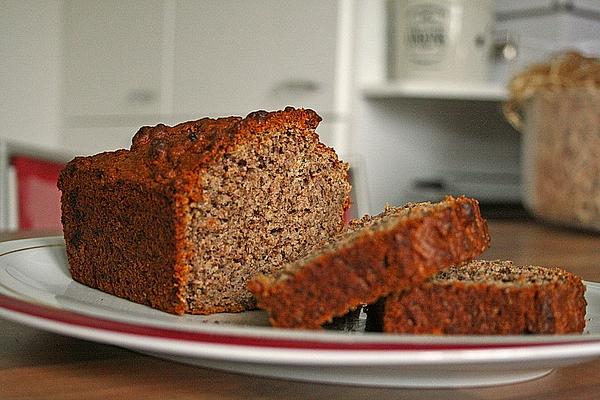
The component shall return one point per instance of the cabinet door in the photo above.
(112, 57)
(232, 57)
(85, 141)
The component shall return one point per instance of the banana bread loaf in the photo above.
(488, 298)
(185, 217)
(374, 256)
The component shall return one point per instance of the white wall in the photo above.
(406, 139)
(30, 50)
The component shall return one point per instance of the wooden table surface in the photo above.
(38, 365)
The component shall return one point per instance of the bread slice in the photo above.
(184, 218)
(398, 248)
(488, 298)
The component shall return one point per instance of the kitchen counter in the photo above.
(39, 365)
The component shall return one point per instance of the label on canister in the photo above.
(426, 39)
(440, 39)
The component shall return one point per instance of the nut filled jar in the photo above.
(556, 106)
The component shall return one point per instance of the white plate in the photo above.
(36, 289)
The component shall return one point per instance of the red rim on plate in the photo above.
(84, 321)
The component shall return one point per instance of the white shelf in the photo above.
(436, 90)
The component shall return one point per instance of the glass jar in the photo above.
(561, 156)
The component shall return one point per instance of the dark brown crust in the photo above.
(375, 264)
(125, 213)
(479, 308)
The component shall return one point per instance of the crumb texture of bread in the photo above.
(488, 298)
(264, 205)
(374, 256)
(189, 213)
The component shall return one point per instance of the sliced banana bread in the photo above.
(398, 248)
(183, 219)
(488, 298)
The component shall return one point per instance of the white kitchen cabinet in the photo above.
(85, 141)
(112, 62)
(141, 62)
(235, 56)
